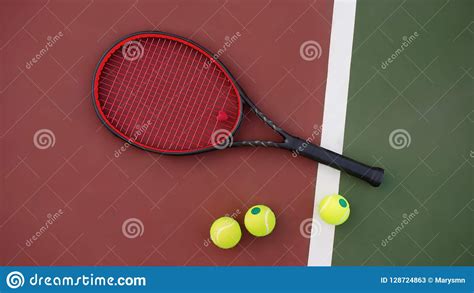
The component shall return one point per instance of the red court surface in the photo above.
(172, 199)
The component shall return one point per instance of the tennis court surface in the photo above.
(74, 194)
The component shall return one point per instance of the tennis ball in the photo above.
(225, 232)
(260, 220)
(334, 209)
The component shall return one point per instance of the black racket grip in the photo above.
(372, 175)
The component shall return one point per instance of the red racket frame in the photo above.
(154, 34)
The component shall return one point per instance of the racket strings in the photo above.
(186, 112)
(108, 83)
(125, 83)
(129, 92)
(138, 78)
(175, 88)
(169, 108)
(176, 57)
(116, 60)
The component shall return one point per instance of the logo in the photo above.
(310, 50)
(44, 139)
(399, 139)
(15, 280)
(221, 139)
(132, 228)
(132, 50)
(309, 228)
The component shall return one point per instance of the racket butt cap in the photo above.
(375, 177)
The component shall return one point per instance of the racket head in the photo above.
(166, 94)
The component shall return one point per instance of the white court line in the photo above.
(334, 120)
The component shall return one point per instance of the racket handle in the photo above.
(372, 175)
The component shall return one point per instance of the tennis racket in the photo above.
(167, 94)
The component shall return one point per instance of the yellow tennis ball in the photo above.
(334, 209)
(260, 220)
(225, 232)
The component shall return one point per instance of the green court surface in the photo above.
(413, 116)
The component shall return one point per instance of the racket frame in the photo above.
(116, 132)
